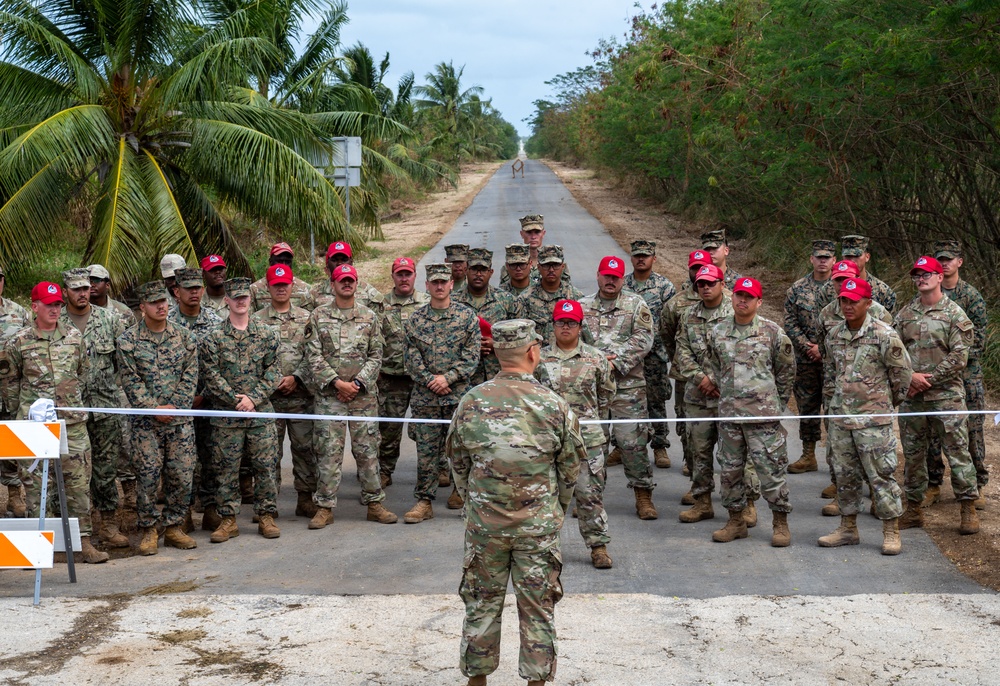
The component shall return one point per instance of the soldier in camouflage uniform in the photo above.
(344, 353)
(13, 318)
(517, 267)
(292, 395)
(337, 254)
(868, 372)
(582, 375)
(532, 234)
(260, 296)
(441, 355)
(100, 329)
(213, 269)
(49, 360)
(456, 256)
(752, 369)
(802, 327)
(169, 264)
(716, 244)
(949, 255)
(239, 367)
(622, 327)
(656, 290)
(542, 296)
(159, 370)
(516, 449)
(394, 384)
(856, 248)
(938, 336)
(100, 282)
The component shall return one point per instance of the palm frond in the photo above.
(27, 215)
(321, 45)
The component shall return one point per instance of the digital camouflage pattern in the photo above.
(830, 316)
(866, 454)
(366, 295)
(760, 447)
(670, 318)
(730, 278)
(13, 318)
(535, 275)
(494, 306)
(802, 326)
(218, 305)
(395, 314)
(206, 321)
(657, 291)
(301, 295)
(537, 305)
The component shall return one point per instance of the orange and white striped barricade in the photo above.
(20, 547)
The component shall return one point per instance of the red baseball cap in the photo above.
(47, 292)
(279, 274)
(211, 262)
(855, 289)
(749, 285)
(927, 264)
(485, 328)
(403, 264)
(279, 248)
(568, 309)
(345, 271)
(699, 258)
(338, 248)
(612, 266)
(845, 269)
(709, 273)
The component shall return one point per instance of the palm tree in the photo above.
(142, 109)
(450, 107)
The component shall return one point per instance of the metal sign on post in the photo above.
(344, 170)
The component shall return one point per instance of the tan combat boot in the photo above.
(266, 526)
(981, 500)
(891, 544)
(322, 518)
(702, 509)
(130, 498)
(90, 554)
(147, 546)
(644, 508)
(188, 525)
(615, 458)
(304, 506)
(384, 480)
(227, 529)
(687, 499)
(831, 509)
(781, 537)
(421, 511)
(600, 558)
(913, 516)
(750, 514)
(176, 537)
(211, 520)
(15, 501)
(685, 469)
(378, 513)
(477, 681)
(455, 501)
(970, 518)
(830, 492)
(931, 496)
(109, 533)
(806, 463)
(246, 489)
(845, 534)
(661, 458)
(444, 479)
(735, 528)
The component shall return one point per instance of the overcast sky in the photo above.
(509, 48)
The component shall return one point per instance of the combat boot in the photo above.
(421, 511)
(109, 533)
(750, 514)
(227, 529)
(970, 518)
(845, 534)
(891, 544)
(378, 513)
(211, 520)
(831, 509)
(685, 469)
(913, 517)
(15, 501)
(981, 500)
(600, 558)
(615, 458)
(304, 505)
(148, 544)
(477, 681)
(455, 501)
(90, 554)
(188, 525)
(687, 499)
(806, 463)
(323, 517)
(129, 499)
(830, 492)
(661, 458)
(246, 489)
(702, 509)
(384, 480)
(444, 479)
(735, 528)
(266, 526)
(175, 537)
(781, 537)
(644, 508)
(931, 495)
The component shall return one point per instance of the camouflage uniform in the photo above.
(161, 369)
(624, 328)
(516, 450)
(938, 339)
(345, 346)
(754, 370)
(713, 239)
(457, 252)
(301, 296)
(537, 304)
(366, 295)
(291, 328)
(855, 246)
(583, 378)
(218, 306)
(54, 364)
(394, 385)
(13, 318)
(866, 372)
(802, 324)
(242, 362)
(671, 316)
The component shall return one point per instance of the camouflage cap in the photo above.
(171, 262)
(713, 239)
(852, 246)
(459, 252)
(643, 248)
(480, 257)
(238, 287)
(438, 271)
(948, 249)
(518, 253)
(152, 291)
(532, 222)
(550, 254)
(824, 248)
(97, 271)
(76, 278)
(514, 333)
(189, 278)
